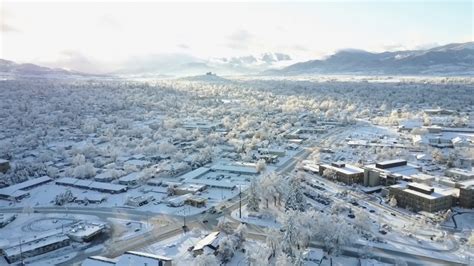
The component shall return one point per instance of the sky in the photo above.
(99, 37)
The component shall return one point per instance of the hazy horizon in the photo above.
(104, 37)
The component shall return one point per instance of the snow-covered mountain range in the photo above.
(10, 68)
(451, 59)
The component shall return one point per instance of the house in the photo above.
(107, 176)
(420, 197)
(388, 172)
(131, 180)
(345, 173)
(210, 242)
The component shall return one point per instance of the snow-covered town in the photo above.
(199, 171)
(236, 133)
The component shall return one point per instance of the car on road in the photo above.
(372, 211)
(351, 215)
(393, 214)
(205, 221)
(383, 232)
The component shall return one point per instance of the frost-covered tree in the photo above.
(393, 202)
(206, 260)
(260, 165)
(295, 199)
(226, 249)
(253, 197)
(271, 188)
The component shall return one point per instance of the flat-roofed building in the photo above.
(19, 191)
(91, 185)
(188, 188)
(136, 258)
(388, 172)
(420, 197)
(460, 174)
(129, 258)
(35, 247)
(99, 261)
(4, 165)
(86, 232)
(235, 169)
(195, 201)
(131, 180)
(346, 173)
(466, 194)
(423, 178)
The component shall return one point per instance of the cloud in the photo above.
(240, 39)
(75, 60)
(109, 22)
(4, 27)
(183, 46)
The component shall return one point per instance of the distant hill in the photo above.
(10, 68)
(451, 59)
(209, 77)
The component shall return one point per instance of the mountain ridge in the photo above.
(454, 58)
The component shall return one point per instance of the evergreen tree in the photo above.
(253, 196)
(295, 199)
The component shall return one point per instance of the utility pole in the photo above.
(184, 217)
(21, 254)
(240, 201)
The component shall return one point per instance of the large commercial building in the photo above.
(420, 197)
(388, 172)
(345, 173)
(466, 194)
